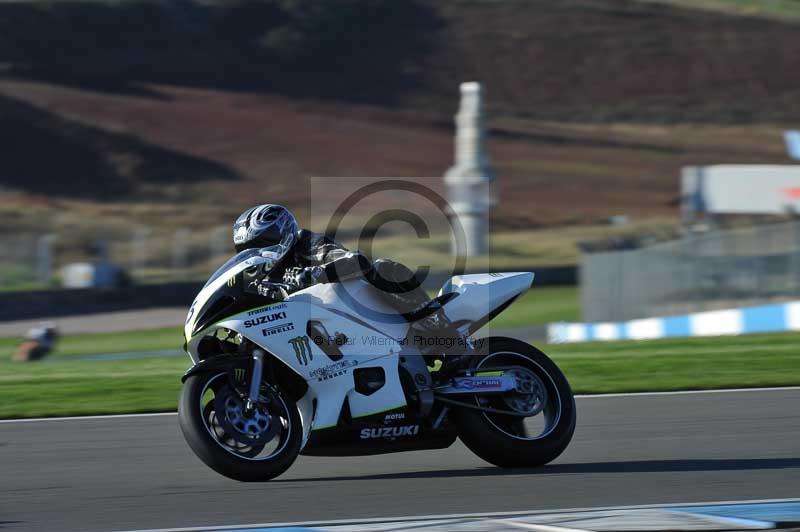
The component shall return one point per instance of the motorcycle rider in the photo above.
(305, 258)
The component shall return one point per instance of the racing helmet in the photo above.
(265, 226)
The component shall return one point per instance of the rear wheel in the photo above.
(253, 445)
(543, 399)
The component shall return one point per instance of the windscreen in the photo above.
(268, 256)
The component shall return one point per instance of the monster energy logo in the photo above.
(302, 349)
(238, 374)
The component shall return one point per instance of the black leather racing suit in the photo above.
(401, 288)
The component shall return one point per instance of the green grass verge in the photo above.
(777, 9)
(88, 387)
(681, 364)
(542, 305)
(69, 387)
(168, 338)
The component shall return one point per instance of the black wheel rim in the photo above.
(245, 443)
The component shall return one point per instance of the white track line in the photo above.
(85, 418)
(685, 392)
(539, 528)
(591, 396)
(734, 523)
(501, 515)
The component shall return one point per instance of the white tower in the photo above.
(469, 181)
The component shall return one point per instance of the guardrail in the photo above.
(53, 303)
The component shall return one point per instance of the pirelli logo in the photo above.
(277, 329)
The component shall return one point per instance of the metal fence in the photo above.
(30, 261)
(720, 269)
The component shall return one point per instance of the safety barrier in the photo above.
(747, 320)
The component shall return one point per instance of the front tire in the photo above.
(502, 440)
(235, 457)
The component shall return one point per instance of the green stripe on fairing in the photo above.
(323, 427)
(229, 317)
(380, 411)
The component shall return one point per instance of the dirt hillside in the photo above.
(131, 110)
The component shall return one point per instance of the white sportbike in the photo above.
(332, 370)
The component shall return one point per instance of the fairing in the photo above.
(482, 295)
(353, 310)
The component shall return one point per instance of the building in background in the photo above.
(739, 189)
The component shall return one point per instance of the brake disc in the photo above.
(251, 427)
(530, 395)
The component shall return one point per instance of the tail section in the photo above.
(483, 296)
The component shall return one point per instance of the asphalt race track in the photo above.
(136, 472)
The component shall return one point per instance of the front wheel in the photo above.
(543, 397)
(246, 445)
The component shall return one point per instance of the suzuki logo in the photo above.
(265, 319)
(302, 349)
(389, 432)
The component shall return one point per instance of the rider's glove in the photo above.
(304, 277)
(265, 290)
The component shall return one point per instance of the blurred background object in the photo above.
(705, 270)
(100, 273)
(38, 343)
(470, 181)
(792, 139)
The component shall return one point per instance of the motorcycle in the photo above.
(332, 370)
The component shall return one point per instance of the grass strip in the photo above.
(74, 387)
(681, 364)
(168, 338)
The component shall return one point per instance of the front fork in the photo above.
(255, 381)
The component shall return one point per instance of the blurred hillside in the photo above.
(131, 110)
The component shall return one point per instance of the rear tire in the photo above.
(238, 466)
(481, 432)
